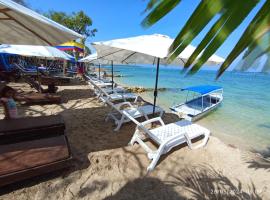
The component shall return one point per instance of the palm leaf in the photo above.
(211, 33)
(202, 15)
(229, 19)
(237, 14)
(249, 36)
(160, 10)
(151, 4)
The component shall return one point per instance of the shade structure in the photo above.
(93, 58)
(90, 58)
(145, 49)
(203, 89)
(35, 51)
(20, 25)
(70, 46)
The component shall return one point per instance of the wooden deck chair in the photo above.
(38, 87)
(166, 136)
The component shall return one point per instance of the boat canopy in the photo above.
(203, 89)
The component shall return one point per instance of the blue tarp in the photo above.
(203, 89)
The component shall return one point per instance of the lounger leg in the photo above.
(155, 156)
(161, 113)
(107, 118)
(154, 161)
(202, 144)
(119, 123)
(134, 137)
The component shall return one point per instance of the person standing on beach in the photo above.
(7, 99)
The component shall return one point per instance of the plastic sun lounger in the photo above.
(119, 118)
(107, 89)
(166, 136)
(117, 89)
(102, 83)
(103, 95)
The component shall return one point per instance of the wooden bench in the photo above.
(28, 128)
(35, 147)
(32, 158)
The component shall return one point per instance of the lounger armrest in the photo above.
(126, 103)
(157, 119)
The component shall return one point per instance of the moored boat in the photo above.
(205, 98)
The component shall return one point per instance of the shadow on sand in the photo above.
(75, 94)
(258, 159)
(204, 182)
(200, 183)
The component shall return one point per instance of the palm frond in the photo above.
(229, 14)
(259, 23)
(235, 18)
(160, 9)
(202, 15)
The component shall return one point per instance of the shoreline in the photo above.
(226, 138)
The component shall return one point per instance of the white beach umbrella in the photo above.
(20, 25)
(145, 49)
(35, 51)
(93, 59)
(89, 58)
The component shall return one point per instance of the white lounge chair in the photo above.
(103, 95)
(119, 118)
(167, 136)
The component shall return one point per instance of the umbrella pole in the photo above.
(156, 85)
(112, 75)
(99, 71)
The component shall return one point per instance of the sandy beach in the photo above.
(105, 167)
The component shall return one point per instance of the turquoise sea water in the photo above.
(242, 120)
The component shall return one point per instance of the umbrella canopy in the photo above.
(20, 25)
(93, 58)
(145, 49)
(89, 58)
(70, 46)
(35, 51)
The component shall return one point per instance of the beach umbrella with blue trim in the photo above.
(48, 52)
(145, 49)
(21, 25)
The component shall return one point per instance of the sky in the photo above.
(116, 19)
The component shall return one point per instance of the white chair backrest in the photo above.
(136, 122)
(99, 88)
(112, 105)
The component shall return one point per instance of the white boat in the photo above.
(205, 98)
